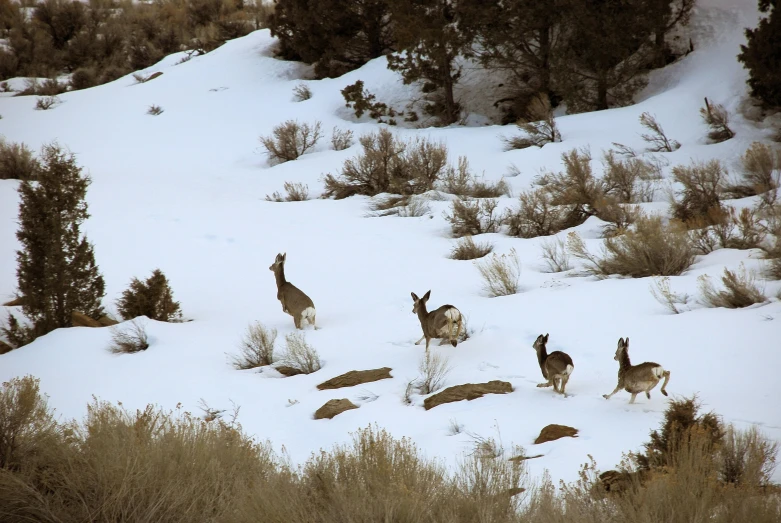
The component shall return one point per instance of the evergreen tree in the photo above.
(762, 55)
(335, 35)
(429, 40)
(607, 51)
(56, 272)
(522, 38)
(664, 16)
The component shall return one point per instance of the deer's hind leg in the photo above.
(548, 384)
(297, 320)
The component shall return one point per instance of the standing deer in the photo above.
(637, 378)
(556, 366)
(439, 323)
(294, 301)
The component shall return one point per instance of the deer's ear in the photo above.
(546, 338)
(284, 256)
(414, 296)
(620, 342)
(626, 343)
(427, 296)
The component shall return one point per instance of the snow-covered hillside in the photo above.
(185, 191)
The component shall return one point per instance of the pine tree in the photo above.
(56, 272)
(762, 55)
(522, 38)
(336, 36)
(429, 40)
(607, 50)
(664, 16)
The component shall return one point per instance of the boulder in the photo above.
(288, 371)
(79, 319)
(356, 377)
(553, 432)
(153, 76)
(334, 407)
(107, 321)
(468, 391)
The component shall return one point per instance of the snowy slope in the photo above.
(184, 191)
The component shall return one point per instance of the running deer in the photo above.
(556, 366)
(637, 378)
(294, 301)
(439, 323)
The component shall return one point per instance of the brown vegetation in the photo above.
(152, 298)
(290, 140)
(257, 347)
(467, 249)
(17, 161)
(740, 290)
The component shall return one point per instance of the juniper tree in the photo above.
(664, 16)
(56, 271)
(428, 40)
(522, 38)
(607, 51)
(335, 35)
(762, 55)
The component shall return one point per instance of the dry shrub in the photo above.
(535, 216)
(760, 173)
(500, 273)
(257, 347)
(27, 425)
(467, 249)
(302, 92)
(618, 217)
(747, 457)
(155, 110)
(290, 140)
(663, 293)
(539, 132)
(295, 192)
(740, 290)
(728, 229)
(629, 180)
(47, 102)
(413, 206)
(702, 184)
(150, 465)
(772, 247)
(555, 254)
(472, 217)
(152, 298)
(462, 182)
(341, 139)
(658, 140)
(389, 165)
(129, 339)
(17, 161)
(299, 354)
(717, 118)
(434, 369)
(651, 248)
(576, 188)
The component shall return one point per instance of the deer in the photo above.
(637, 378)
(556, 366)
(293, 299)
(439, 323)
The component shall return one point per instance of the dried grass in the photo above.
(500, 273)
(257, 347)
(740, 290)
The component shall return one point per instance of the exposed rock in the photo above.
(356, 377)
(153, 76)
(288, 371)
(524, 458)
(19, 300)
(4, 347)
(107, 321)
(468, 391)
(554, 432)
(79, 319)
(334, 407)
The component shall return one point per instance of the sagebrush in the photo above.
(257, 347)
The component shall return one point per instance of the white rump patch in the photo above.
(308, 314)
(659, 372)
(569, 370)
(453, 314)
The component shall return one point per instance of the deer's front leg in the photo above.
(607, 396)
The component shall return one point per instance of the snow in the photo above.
(184, 191)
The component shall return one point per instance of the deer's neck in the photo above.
(279, 275)
(623, 363)
(422, 315)
(542, 355)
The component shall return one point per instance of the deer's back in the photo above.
(437, 319)
(294, 298)
(556, 362)
(642, 374)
